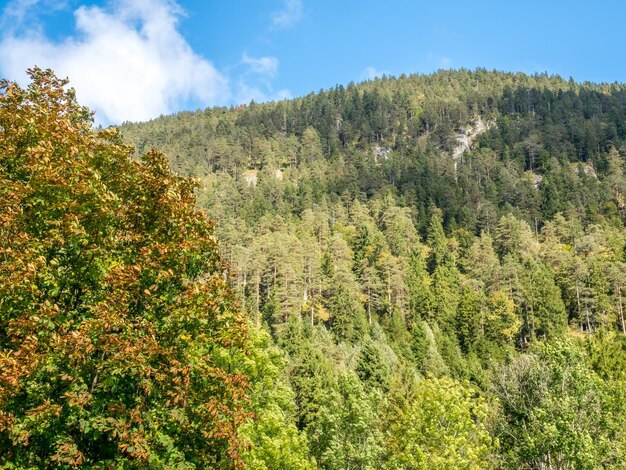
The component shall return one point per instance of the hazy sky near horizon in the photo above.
(137, 59)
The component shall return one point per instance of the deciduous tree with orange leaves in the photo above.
(120, 342)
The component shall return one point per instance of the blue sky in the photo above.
(136, 59)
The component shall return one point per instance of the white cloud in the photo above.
(267, 66)
(14, 12)
(127, 61)
(289, 16)
(369, 73)
(255, 82)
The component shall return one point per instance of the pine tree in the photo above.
(347, 436)
(443, 426)
(420, 302)
(468, 317)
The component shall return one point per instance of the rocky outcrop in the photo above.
(466, 138)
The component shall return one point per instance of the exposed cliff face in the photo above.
(466, 138)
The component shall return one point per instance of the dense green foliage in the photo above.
(121, 345)
(439, 259)
(432, 269)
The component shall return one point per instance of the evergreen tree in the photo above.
(469, 314)
(443, 426)
(275, 442)
(347, 436)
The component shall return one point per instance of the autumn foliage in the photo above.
(120, 342)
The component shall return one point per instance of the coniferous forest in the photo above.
(422, 272)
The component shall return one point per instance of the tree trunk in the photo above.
(369, 304)
(580, 319)
(258, 298)
(621, 309)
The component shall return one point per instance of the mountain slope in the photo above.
(399, 263)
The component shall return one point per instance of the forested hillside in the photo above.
(432, 269)
(440, 263)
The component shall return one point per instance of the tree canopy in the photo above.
(415, 272)
(120, 341)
